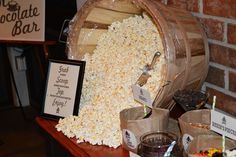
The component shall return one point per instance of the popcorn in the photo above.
(114, 66)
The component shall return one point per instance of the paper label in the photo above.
(142, 95)
(131, 154)
(223, 124)
(129, 139)
(186, 140)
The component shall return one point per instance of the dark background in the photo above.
(56, 12)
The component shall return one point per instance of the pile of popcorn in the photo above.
(115, 65)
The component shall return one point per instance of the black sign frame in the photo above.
(79, 69)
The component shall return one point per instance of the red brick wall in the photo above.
(218, 18)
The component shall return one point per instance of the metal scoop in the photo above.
(143, 78)
(169, 150)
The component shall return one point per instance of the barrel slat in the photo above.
(81, 50)
(197, 68)
(104, 16)
(178, 80)
(190, 28)
(86, 48)
(186, 21)
(197, 47)
(193, 85)
(195, 44)
(180, 48)
(120, 6)
(180, 12)
(192, 35)
(90, 36)
(93, 25)
(197, 61)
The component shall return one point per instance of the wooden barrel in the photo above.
(185, 45)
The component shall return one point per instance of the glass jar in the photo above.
(155, 144)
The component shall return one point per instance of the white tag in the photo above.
(141, 95)
(186, 140)
(129, 139)
(131, 154)
(223, 124)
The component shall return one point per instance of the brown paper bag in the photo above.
(133, 125)
(194, 123)
(205, 142)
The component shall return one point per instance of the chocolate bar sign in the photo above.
(22, 20)
(223, 123)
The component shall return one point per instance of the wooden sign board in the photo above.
(22, 20)
(63, 88)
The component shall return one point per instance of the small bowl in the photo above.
(190, 99)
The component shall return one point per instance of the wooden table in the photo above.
(82, 149)
(85, 149)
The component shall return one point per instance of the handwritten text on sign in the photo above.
(223, 124)
(61, 90)
(22, 20)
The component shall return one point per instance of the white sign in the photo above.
(223, 124)
(142, 96)
(63, 90)
(22, 20)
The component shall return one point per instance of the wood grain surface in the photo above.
(82, 149)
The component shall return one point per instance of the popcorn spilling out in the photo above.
(114, 66)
